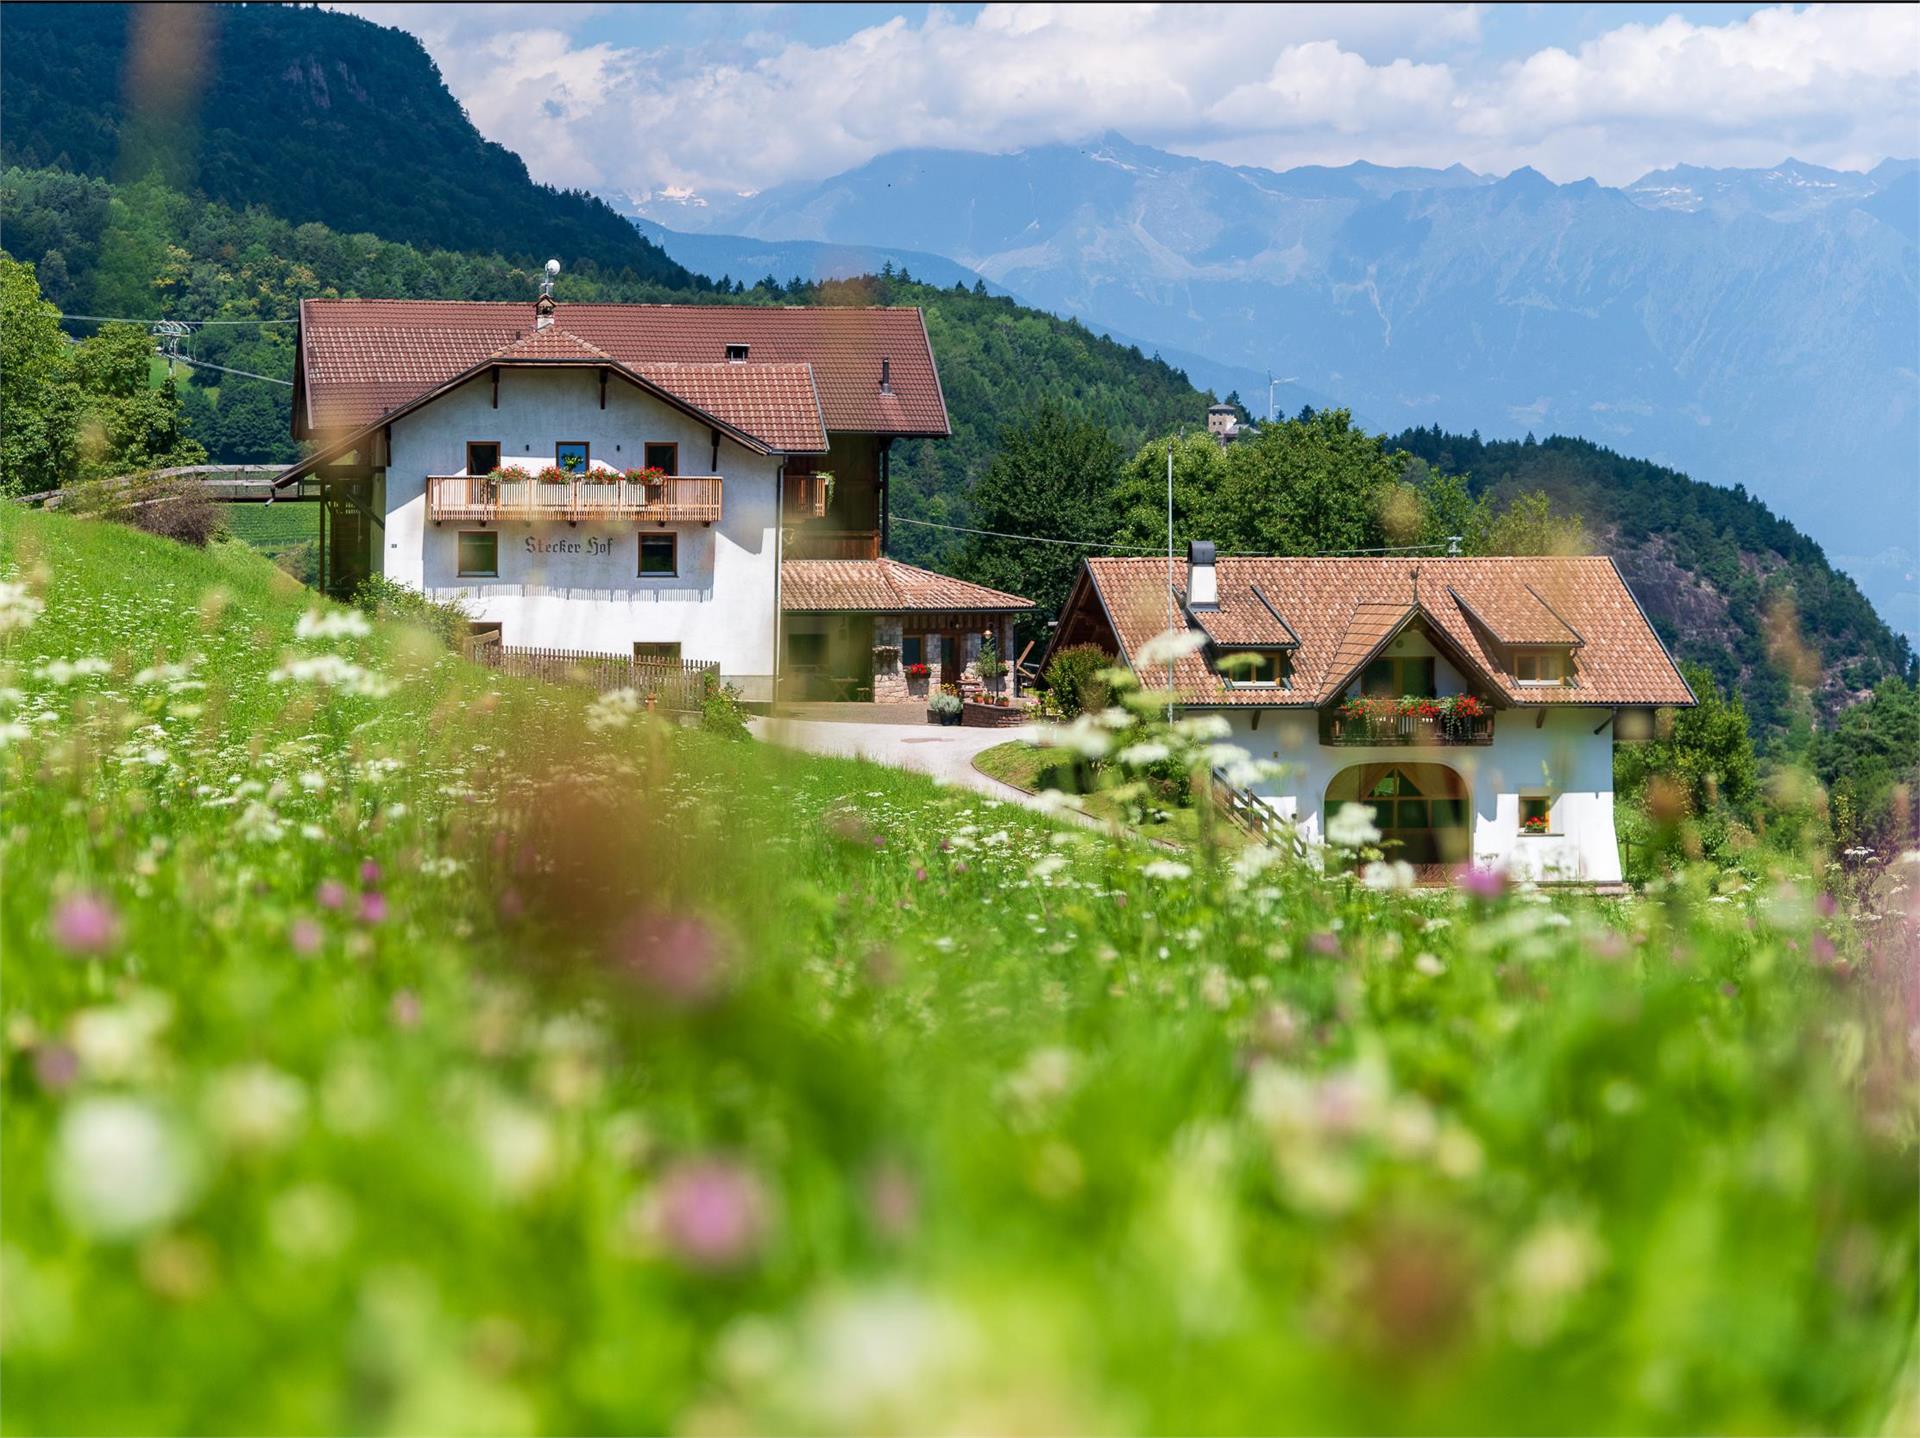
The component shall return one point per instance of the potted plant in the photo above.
(944, 708)
(1534, 824)
(1461, 712)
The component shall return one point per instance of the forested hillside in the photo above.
(1728, 583)
(311, 114)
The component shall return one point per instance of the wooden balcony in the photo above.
(804, 496)
(679, 499)
(834, 544)
(1404, 729)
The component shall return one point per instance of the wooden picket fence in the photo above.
(669, 683)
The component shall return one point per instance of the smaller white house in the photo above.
(1472, 704)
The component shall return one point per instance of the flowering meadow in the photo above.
(392, 1046)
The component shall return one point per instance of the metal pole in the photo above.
(1170, 609)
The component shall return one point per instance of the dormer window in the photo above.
(736, 354)
(1543, 666)
(1258, 668)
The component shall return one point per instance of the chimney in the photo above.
(1203, 584)
(886, 375)
(543, 312)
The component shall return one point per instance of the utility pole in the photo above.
(1171, 614)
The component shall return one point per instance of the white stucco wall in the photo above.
(579, 587)
(1560, 757)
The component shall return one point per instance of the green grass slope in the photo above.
(391, 1046)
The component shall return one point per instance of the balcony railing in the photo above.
(678, 499)
(834, 544)
(1408, 729)
(804, 496)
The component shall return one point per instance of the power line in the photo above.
(1154, 549)
(130, 320)
(203, 364)
(1029, 538)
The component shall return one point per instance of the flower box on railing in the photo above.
(1409, 719)
(514, 495)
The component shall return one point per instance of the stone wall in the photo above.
(890, 682)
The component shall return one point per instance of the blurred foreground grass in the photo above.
(391, 1047)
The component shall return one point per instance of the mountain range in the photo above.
(1755, 327)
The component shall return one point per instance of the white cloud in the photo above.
(1275, 85)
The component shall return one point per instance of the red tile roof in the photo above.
(778, 403)
(881, 586)
(1344, 609)
(551, 343)
(361, 359)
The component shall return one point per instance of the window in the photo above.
(658, 651)
(913, 649)
(572, 455)
(1536, 813)
(1543, 666)
(1258, 666)
(736, 354)
(662, 456)
(479, 554)
(483, 456)
(1397, 677)
(659, 555)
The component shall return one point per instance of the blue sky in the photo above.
(648, 101)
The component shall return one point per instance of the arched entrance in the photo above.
(1421, 810)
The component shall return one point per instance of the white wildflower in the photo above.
(520, 1148)
(1168, 869)
(1082, 736)
(259, 824)
(1163, 649)
(120, 1166)
(613, 710)
(121, 1041)
(332, 624)
(1429, 965)
(18, 608)
(1046, 1077)
(255, 1107)
(1045, 867)
(313, 781)
(331, 669)
(1148, 751)
(1051, 801)
(1201, 727)
(12, 731)
(1388, 875)
(1352, 827)
(65, 671)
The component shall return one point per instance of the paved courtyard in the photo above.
(946, 754)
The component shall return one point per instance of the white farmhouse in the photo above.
(1473, 704)
(696, 483)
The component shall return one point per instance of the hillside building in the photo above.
(1472, 704)
(673, 482)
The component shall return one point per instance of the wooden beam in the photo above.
(494, 374)
(603, 386)
(714, 466)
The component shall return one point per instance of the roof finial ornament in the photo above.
(1415, 578)
(544, 306)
